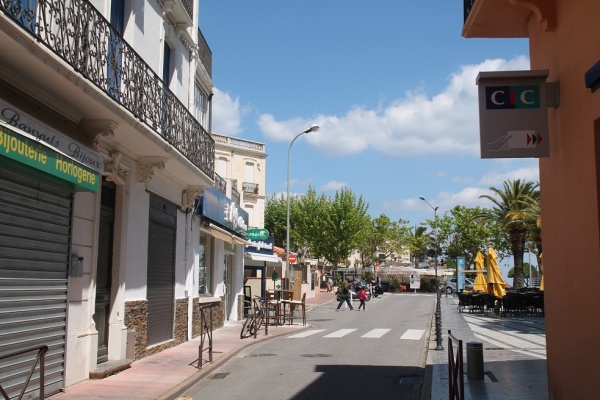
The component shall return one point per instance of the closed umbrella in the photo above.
(542, 282)
(495, 282)
(480, 283)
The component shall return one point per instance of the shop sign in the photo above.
(15, 118)
(219, 208)
(261, 246)
(257, 234)
(513, 114)
(27, 150)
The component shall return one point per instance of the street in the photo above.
(344, 354)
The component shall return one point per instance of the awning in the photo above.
(262, 257)
(224, 235)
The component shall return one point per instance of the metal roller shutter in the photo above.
(161, 270)
(35, 229)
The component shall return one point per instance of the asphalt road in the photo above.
(377, 354)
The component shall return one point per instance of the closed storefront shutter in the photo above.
(35, 229)
(161, 270)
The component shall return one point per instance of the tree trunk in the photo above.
(517, 240)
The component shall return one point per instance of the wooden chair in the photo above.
(273, 308)
(301, 306)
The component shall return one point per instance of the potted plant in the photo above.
(394, 283)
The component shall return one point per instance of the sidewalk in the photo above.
(170, 372)
(514, 354)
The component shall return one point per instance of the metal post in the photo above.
(438, 310)
(288, 272)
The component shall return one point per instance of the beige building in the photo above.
(564, 41)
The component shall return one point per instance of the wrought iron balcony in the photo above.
(220, 184)
(77, 33)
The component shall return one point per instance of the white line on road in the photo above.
(413, 334)
(305, 334)
(340, 333)
(376, 333)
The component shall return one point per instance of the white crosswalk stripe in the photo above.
(376, 333)
(340, 333)
(409, 334)
(413, 334)
(306, 333)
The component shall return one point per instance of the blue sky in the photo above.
(391, 84)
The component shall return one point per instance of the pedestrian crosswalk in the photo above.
(409, 334)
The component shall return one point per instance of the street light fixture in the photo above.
(288, 272)
(438, 313)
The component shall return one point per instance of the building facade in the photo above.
(563, 41)
(114, 228)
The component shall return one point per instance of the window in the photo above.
(204, 266)
(250, 172)
(221, 167)
(201, 104)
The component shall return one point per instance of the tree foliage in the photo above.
(511, 206)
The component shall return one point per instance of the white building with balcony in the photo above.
(110, 236)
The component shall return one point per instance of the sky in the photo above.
(391, 84)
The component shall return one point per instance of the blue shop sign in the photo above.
(220, 209)
(261, 246)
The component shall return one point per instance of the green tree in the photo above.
(344, 221)
(276, 218)
(417, 243)
(459, 235)
(509, 205)
(527, 274)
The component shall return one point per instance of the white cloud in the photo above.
(333, 186)
(413, 125)
(525, 173)
(227, 114)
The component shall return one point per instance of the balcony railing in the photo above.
(248, 187)
(204, 53)
(77, 33)
(220, 184)
(468, 6)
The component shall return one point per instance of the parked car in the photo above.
(451, 285)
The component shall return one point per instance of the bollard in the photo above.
(475, 360)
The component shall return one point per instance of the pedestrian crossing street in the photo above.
(409, 334)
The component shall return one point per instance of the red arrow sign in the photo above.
(292, 259)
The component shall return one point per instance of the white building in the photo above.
(112, 233)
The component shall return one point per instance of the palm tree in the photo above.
(417, 243)
(511, 211)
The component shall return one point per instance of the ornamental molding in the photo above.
(113, 170)
(147, 166)
(190, 194)
(544, 11)
(98, 128)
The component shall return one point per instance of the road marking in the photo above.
(340, 333)
(306, 333)
(376, 333)
(413, 334)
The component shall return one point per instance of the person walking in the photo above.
(329, 284)
(345, 296)
(363, 299)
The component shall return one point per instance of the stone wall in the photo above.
(218, 315)
(136, 319)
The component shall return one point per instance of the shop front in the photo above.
(41, 171)
(223, 229)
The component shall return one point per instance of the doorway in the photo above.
(104, 267)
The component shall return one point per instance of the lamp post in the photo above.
(288, 272)
(438, 311)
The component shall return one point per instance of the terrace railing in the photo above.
(77, 33)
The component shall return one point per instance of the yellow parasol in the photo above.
(495, 282)
(542, 282)
(480, 283)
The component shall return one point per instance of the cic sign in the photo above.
(513, 114)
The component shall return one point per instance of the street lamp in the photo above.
(438, 311)
(288, 272)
